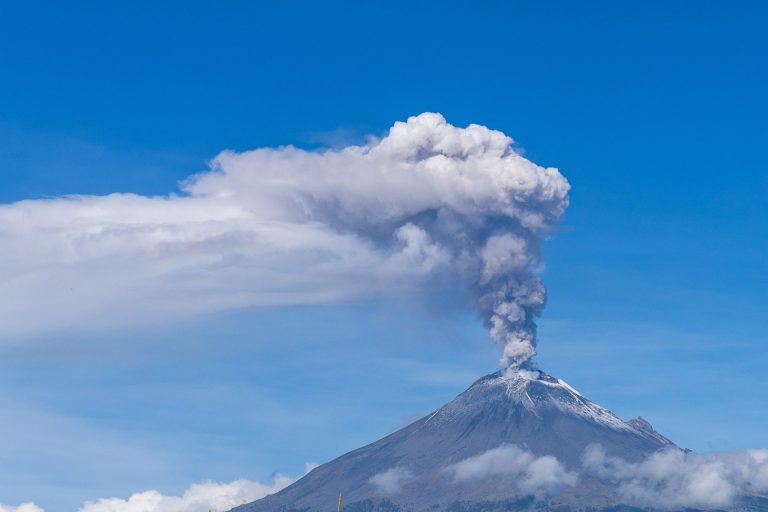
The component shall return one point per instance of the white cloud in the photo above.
(202, 497)
(24, 507)
(391, 480)
(278, 226)
(673, 479)
(546, 476)
(537, 476)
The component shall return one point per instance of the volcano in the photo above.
(514, 440)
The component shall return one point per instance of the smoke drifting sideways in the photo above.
(277, 226)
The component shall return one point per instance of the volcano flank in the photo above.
(515, 440)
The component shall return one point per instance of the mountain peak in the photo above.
(538, 392)
(518, 412)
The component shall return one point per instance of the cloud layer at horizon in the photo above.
(200, 497)
(668, 480)
(24, 507)
(430, 206)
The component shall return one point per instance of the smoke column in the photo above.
(279, 226)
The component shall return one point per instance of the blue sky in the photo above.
(654, 111)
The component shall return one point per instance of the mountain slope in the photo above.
(463, 456)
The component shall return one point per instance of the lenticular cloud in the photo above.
(428, 203)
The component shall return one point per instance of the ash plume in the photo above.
(277, 226)
(462, 193)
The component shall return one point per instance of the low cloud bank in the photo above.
(673, 479)
(202, 497)
(391, 481)
(667, 480)
(24, 507)
(536, 476)
(429, 205)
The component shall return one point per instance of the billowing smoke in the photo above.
(273, 226)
